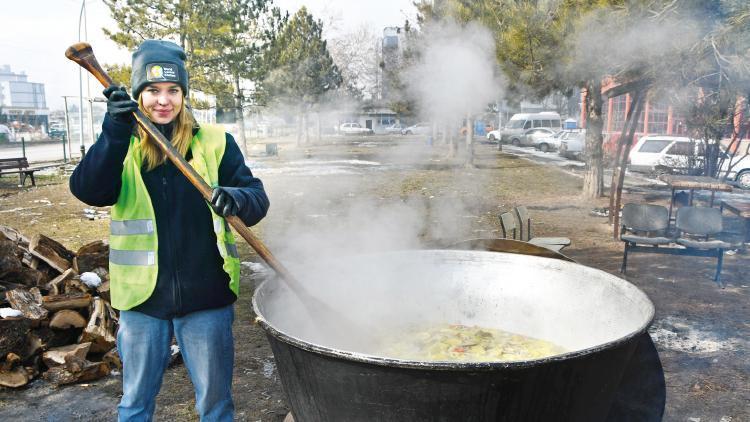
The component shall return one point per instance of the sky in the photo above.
(34, 35)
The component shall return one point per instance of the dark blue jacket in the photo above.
(190, 276)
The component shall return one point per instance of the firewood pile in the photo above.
(55, 313)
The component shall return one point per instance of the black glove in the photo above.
(119, 104)
(227, 201)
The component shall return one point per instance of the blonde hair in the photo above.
(182, 136)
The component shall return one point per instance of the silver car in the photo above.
(529, 137)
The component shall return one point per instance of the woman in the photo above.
(174, 268)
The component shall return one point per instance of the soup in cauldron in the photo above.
(455, 342)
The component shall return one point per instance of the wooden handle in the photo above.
(83, 54)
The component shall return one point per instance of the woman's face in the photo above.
(162, 101)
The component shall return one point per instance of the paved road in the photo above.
(41, 152)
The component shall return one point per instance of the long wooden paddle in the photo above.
(83, 54)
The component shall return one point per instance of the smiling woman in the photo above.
(162, 101)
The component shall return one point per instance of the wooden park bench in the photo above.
(645, 229)
(18, 166)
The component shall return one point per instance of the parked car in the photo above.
(549, 143)
(354, 129)
(394, 128)
(518, 123)
(572, 146)
(666, 154)
(57, 133)
(493, 135)
(421, 128)
(552, 143)
(737, 170)
(530, 136)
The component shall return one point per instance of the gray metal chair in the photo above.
(647, 225)
(508, 224)
(525, 219)
(696, 226)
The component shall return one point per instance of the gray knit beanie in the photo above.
(158, 61)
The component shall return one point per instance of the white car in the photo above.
(493, 135)
(394, 128)
(422, 128)
(553, 143)
(354, 129)
(666, 154)
(572, 146)
(549, 143)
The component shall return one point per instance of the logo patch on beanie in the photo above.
(157, 72)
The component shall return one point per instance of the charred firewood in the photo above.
(92, 256)
(13, 333)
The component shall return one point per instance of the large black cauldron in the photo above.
(329, 375)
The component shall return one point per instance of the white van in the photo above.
(657, 153)
(521, 122)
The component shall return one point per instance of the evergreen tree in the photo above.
(300, 68)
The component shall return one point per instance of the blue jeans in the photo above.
(207, 347)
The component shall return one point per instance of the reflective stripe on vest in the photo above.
(133, 238)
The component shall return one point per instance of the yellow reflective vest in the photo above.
(133, 254)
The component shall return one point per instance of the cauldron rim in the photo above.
(452, 365)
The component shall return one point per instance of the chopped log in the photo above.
(13, 332)
(30, 261)
(51, 252)
(100, 329)
(9, 261)
(56, 286)
(45, 338)
(12, 360)
(112, 358)
(67, 318)
(75, 285)
(17, 377)
(14, 236)
(12, 270)
(26, 302)
(91, 256)
(66, 301)
(103, 291)
(34, 345)
(56, 356)
(76, 370)
(11, 373)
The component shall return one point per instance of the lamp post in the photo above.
(80, 84)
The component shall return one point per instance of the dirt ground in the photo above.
(700, 330)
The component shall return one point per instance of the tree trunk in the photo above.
(240, 114)
(305, 130)
(318, 135)
(469, 141)
(593, 180)
(299, 125)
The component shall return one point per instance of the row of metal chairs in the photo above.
(521, 230)
(645, 228)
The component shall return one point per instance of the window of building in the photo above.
(657, 117)
(619, 104)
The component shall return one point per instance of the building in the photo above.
(22, 103)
